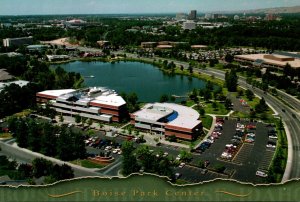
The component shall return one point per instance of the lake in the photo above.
(146, 80)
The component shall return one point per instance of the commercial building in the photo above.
(275, 60)
(148, 44)
(189, 25)
(193, 15)
(38, 48)
(9, 42)
(20, 83)
(5, 76)
(168, 119)
(75, 23)
(52, 58)
(180, 16)
(96, 103)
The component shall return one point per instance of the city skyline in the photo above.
(35, 7)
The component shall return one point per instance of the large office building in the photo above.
(9, 42)
(275, 60)
(96, 103)
(180, 16)
(168, 119)
(193, 15)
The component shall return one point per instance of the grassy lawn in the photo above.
(25, 112)
(87, 164)
(190, 103)
(206, 121)
(5, 135)
(220, 110)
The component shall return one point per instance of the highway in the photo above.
(290, 117)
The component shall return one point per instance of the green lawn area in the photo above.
(220, 110)
(206, 121)
(5, 135)
(87, 164)
(190, 103)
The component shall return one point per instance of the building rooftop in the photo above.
(4, 75)
(186, 117)
(153, 112)
(98, 95)
(21, 83)
(254, 57)
(56, 93)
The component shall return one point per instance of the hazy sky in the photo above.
(20, 7)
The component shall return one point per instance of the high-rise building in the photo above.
(193, 15)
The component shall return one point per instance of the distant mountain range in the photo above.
(293, 9)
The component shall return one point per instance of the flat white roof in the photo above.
(112, 99)
(253, 57)
(153, 112)
(187, 117)
(57, 93)
(106, 97)
(21, 83)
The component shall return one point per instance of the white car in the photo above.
(115, 151)
(261, 174)
(165, 154)
(181, 165)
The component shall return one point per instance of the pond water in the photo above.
(146, 80)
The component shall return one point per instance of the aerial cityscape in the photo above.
(192, 92)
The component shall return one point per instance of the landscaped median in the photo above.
(277, 167)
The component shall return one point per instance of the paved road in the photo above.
(24, 155)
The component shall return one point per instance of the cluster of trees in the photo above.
(231, 80)
(39, 167)
(131, 100)
(47, 139)
(284, 81)
(142, 158)
(14, 98)
(273, 35)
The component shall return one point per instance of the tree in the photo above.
(215, 106)
(164, 98)
(228, 104)
(231, 80)
(229, 58)
(185, 156)
(190, 68)
(130, 164)
(90, 122)
(61, 118)
(77, 118)
(41, 167)
(202, 112)
(261, 106)
(181, 67)
(249, 94)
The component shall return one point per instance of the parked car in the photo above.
(261, 173)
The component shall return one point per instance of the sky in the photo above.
(32, 7)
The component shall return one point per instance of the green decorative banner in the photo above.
(149, 188)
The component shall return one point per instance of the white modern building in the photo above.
(96, 103)
(168, 119)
